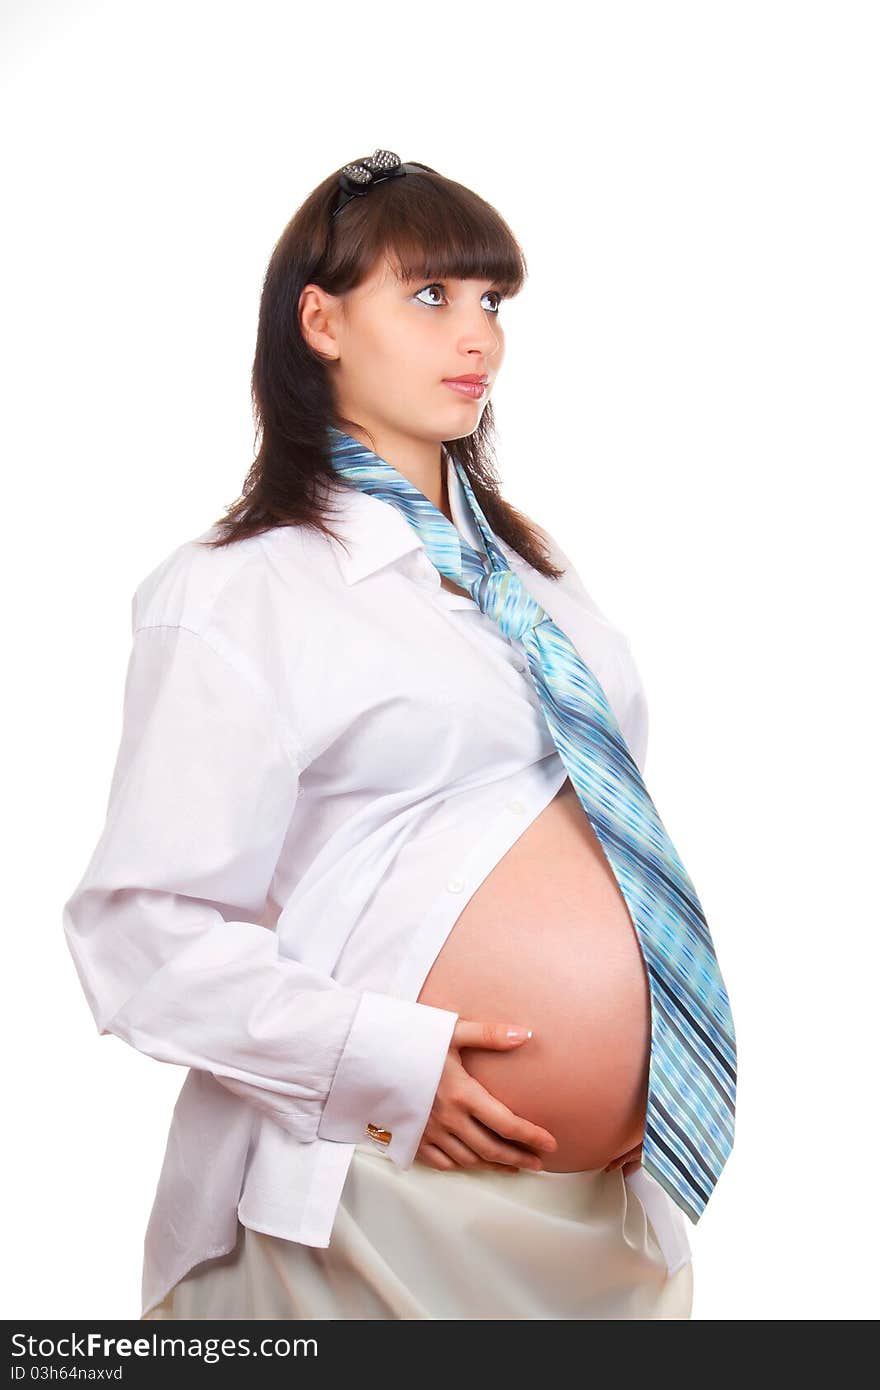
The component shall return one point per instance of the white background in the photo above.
(689, 402)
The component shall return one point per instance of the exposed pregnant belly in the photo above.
(547, 941)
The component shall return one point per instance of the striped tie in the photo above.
(692, 1078)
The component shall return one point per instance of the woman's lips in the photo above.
(474, 389)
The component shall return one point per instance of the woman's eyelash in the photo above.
(440, 285)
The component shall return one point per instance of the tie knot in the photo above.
(502, 597)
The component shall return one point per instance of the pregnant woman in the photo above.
(348, 844)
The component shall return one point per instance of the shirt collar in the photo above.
(379, 534)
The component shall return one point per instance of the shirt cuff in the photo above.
(384, 1086)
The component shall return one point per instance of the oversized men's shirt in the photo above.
(324, 753)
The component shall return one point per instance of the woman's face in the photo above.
(394, 343)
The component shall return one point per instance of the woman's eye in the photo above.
(427, 288)
(494, 293)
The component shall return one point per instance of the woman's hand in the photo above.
(467, 1126)
(629, 1161)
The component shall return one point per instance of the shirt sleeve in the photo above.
(164, 926)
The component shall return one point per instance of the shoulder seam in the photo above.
(214, 599)
(230, 656)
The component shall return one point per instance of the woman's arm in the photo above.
(204, 790)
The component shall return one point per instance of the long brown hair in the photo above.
(425, 225)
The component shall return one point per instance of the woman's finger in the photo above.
(465, 1157)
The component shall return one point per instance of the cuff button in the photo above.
(380, 1135)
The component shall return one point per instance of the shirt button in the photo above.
(455, 885)
(515, 805)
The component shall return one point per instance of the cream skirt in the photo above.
(422, 1243)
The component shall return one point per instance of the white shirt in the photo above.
(323, 755)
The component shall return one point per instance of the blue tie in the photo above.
(692, 1077)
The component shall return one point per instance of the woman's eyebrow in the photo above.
(443, 280)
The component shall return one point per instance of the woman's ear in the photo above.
(318, 312)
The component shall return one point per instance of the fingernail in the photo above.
(515, 1034)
